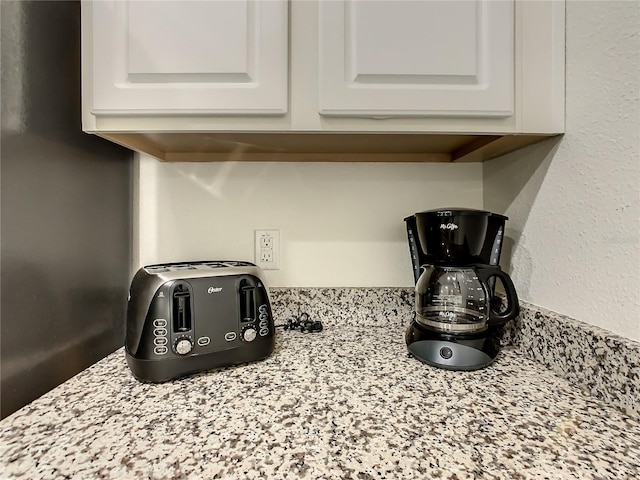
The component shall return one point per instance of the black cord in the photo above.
(303, 323)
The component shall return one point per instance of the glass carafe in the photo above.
(458, 299)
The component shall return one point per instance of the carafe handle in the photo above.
(513, 307)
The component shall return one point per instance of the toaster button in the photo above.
(160, 322)
(159, 332)
(230, 336)
(160, 350)
(204, 341)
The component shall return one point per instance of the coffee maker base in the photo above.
(453, 352)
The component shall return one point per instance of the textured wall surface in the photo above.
(574, 204)
(341, 224)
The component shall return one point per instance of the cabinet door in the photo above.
(204, 57)
(416, 58)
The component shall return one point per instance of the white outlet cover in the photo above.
(267, 249)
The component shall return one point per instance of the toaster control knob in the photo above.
(249, 335)
(183, 346)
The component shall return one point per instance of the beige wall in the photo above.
(341, 224)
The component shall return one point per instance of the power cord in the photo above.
(303, 323)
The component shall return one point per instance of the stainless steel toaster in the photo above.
(184, 318)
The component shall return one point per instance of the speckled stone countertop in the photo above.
(344, 403)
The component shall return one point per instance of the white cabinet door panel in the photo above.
(416, 57)
(205, 57)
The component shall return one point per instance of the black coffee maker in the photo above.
(458, 319)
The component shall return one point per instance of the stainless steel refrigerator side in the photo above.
(65, 210)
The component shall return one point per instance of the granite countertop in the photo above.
(344, 403)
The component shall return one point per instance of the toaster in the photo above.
(184, 318)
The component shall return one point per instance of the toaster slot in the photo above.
(181, 307)
(247, 301)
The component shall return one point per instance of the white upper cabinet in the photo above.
(243, 79)
(417, 58)
(192, 57)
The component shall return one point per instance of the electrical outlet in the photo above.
(267, 249)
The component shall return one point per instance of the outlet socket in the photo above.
(267, 249)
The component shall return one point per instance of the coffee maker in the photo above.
(457, 324)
